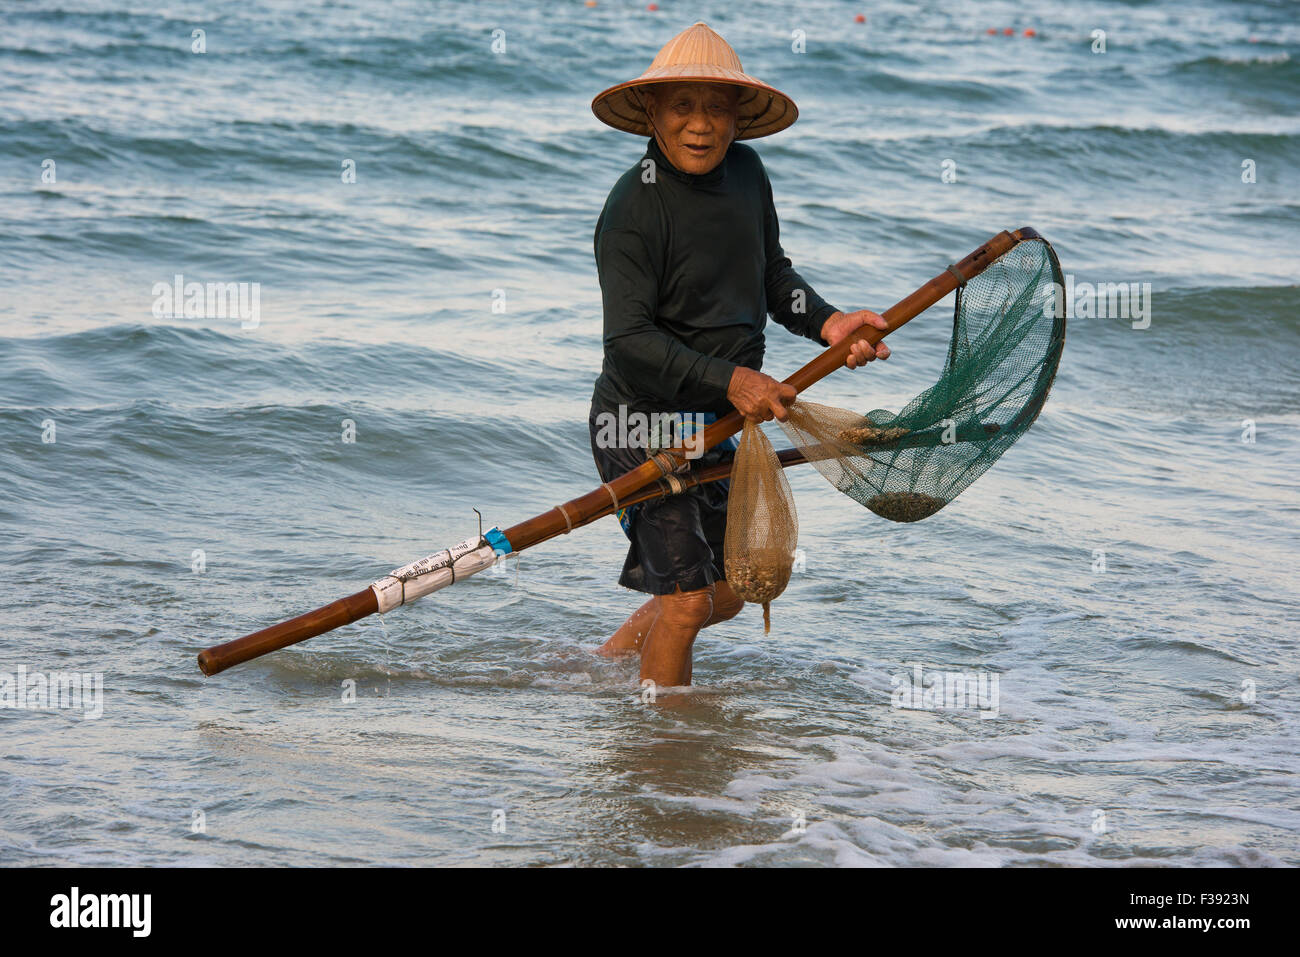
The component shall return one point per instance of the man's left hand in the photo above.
(841, 324)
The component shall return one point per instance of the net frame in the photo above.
(1006, 345)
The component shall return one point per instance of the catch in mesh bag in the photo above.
(1008, 334)
(762, 526)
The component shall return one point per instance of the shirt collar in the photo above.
(711, 178)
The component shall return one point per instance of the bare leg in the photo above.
(666, 652)
(631, 634)
(726, 604)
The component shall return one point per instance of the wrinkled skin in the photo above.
(694, 123)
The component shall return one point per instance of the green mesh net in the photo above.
(1008, 333)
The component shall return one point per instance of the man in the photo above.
(690, 264)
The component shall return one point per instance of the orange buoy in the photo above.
(1031, 32)
(859, 19)
(1008, 32)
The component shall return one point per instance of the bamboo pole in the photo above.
(613, 495)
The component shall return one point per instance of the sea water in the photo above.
(413, 194)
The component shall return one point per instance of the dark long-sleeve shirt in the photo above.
(690, 267)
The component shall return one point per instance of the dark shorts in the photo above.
(675, 541)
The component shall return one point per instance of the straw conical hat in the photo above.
(698, 55)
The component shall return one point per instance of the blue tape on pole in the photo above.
(497, 539)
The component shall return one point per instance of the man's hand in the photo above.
(840, 324)
(758, 396)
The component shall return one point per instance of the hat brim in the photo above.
(762, 110)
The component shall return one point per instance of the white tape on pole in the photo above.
(404, 585)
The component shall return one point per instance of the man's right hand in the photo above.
(758, 396)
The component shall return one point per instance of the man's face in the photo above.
(694, 123)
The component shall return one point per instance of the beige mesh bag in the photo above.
(762, 526)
